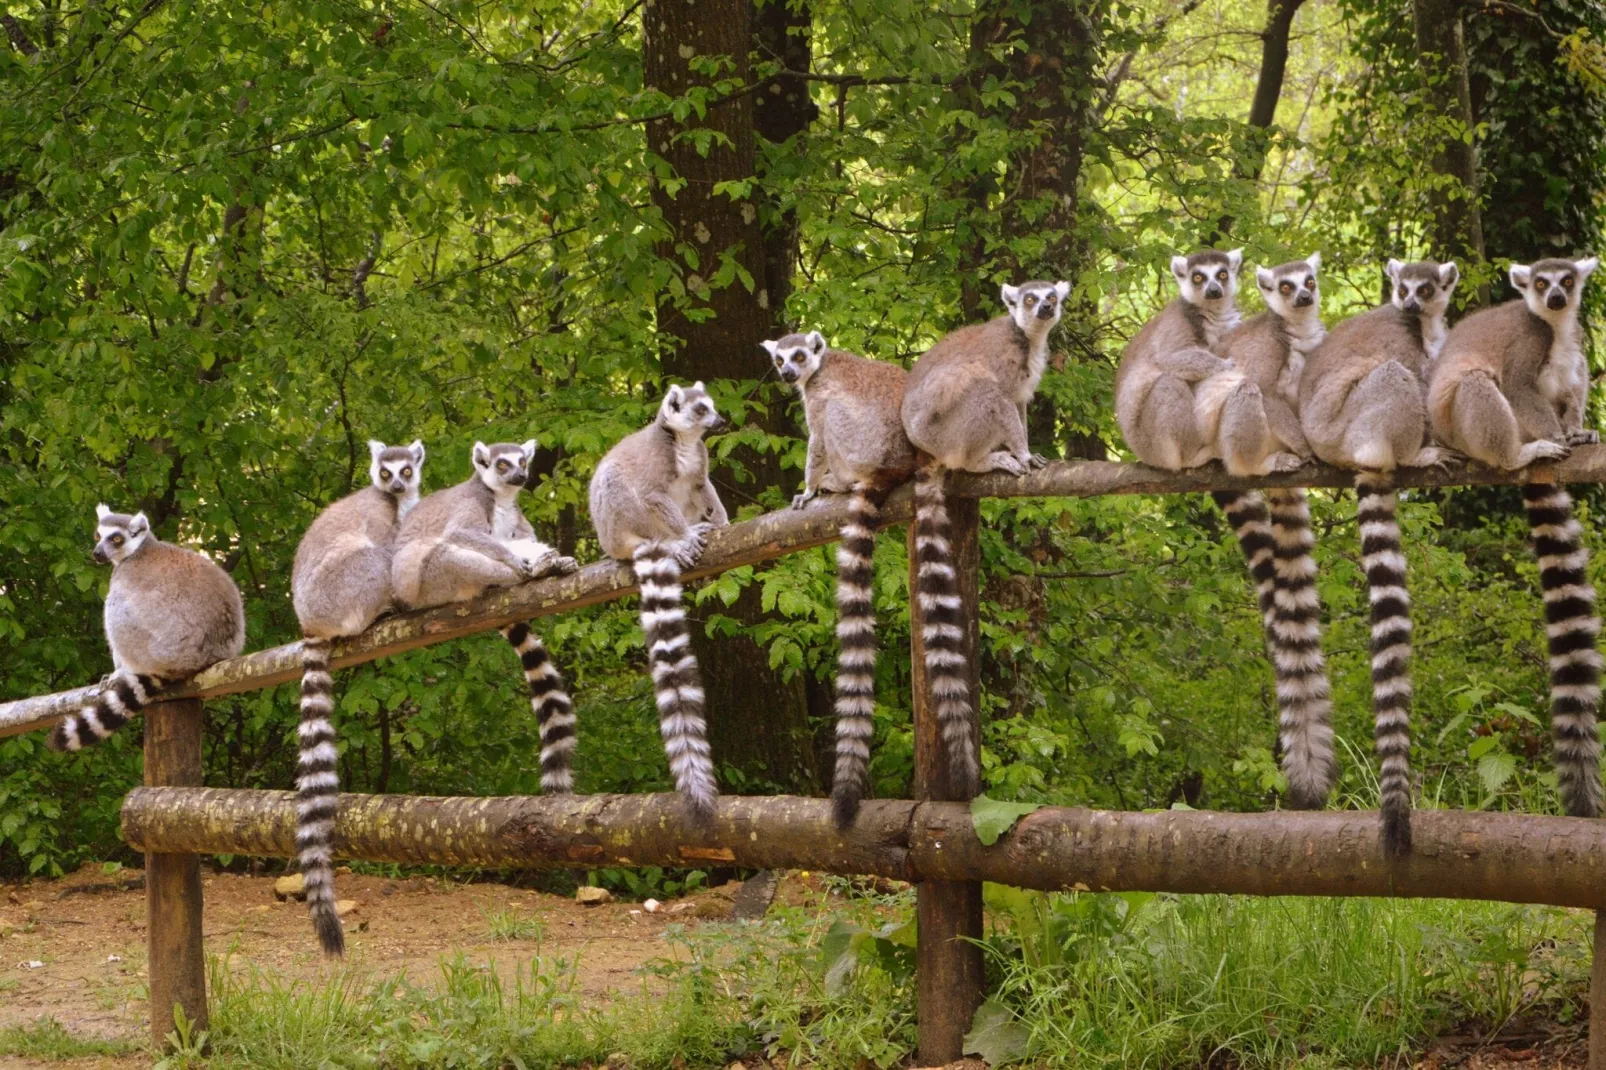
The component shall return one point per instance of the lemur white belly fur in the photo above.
(1564, 370)
(688, 474)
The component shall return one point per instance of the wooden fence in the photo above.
(928, 840)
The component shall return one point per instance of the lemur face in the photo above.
(1289, 289)
(1551, 287)
(117, 535)
(1423, 287)
(503, 466)
(689, 410)
(1035, 306)
(797, 356)
(396, 470)
(1208, 278)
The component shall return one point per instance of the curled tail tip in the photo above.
(1583, 801)
(331, 934)
(1307, 797)
(845, 800)
(1395, 835)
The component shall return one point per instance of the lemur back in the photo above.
(1511, 388)
(459, 542)
(965, 408)
(856, 444)
(653, 504)
(169, 613)
(1362, 406)
(339, 585)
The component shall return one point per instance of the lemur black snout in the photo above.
(1213, 292)
(99, 555)
(790, 375)
(1045, 311)
(1557, 300)
(1304, 300)
(1413, 305)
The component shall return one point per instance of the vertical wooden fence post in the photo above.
(948, 963)
(177, 963)
(1597, 996)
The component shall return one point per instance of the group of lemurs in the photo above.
(1198, 383)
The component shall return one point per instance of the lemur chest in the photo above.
(505, 518)
(1300, 344)
(691, 462)
(1564, 371)
(1031, 373)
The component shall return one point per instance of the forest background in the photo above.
(238, 241)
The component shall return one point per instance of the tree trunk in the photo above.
(713, 332)
(1457, 232)
(783, 111)
(1268, 91)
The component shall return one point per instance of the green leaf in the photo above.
(1495, 769)
(996, 1035)
(993, 817)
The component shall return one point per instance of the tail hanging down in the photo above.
(1294, 636)
(943, 634)
(123, 696)
(554, 711)
(1572, 628)
(675, 678)
(1384, 562)
(855, 673)
(316, 786)
(1251, 523)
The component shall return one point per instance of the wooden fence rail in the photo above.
(930, 840)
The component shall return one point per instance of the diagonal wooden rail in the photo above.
(1561, 861)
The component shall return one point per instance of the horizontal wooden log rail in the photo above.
(1514, 858)
(772, 535)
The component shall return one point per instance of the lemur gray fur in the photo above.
(965, 408)
(169, 613)
(653, 505)
(339, 585)
(1509, 389)
(853, 408)
(459, 542)
(1362, 405)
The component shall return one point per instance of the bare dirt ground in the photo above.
(74, 950)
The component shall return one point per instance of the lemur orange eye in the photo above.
(501, 466)
(1285, 287)
(1567, 282)
(1311, 281)
(1426, 291)
(1540, 285)
(407, 473)
(384, 473)
(1031, 299)
(1222, 275)
(1198, 277)
(1404, 293)
(117, 540)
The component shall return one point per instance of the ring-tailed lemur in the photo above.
(457, 543)
(853, 408)
(169, 613)
(1509, 389)
(965, 407)
(339, 585)
(1362, 406)
(652, 504)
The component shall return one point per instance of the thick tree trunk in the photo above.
(1268, 92)
(1515, 858)
(783, 111)
(714, 333)
(1458, 223)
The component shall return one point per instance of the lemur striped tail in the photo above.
(855, 672)
(1294, 637)
(1571, 627)
(554, 711)
(943, 635)
(316, 786)
(675, 678)
(1251, 523)
(124, 695)
(1384, 562)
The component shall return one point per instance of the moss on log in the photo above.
(1507, 857)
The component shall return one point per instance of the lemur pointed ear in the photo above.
(1586, 266)
(1449, 275)
(1061, 289)
(140, 523)
(1235, 259)
(375, 448)
(1315, 260)
(816, 342)
(698, 385)
(1521, 275)
(1179, 267)
(418, 451)
(528, 447)
(1264, 278)
(1394, 267)
(675, 396)
(482, 456)
(101, 512)
(769, 346)
(1010, 294)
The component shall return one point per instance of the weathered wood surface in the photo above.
(1597, 996)
(175, 955)
(760, 539)
(1517, 858)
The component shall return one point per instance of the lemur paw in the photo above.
(1583, 437)
(558, 565)
(1037, 460)
(800, 500)
(1286, 462)
(1546, 450)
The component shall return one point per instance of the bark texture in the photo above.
(1515, 858)
(175, 953)
(1458, 222)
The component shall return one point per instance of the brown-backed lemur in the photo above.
(1510, 389)
(965, 407)
(170, 612)
(1361, 403)
(653, 505)
(339, 585)
(457, 543)
(853, 408)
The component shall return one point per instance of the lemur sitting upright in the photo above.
(653, 505)
(965, 407)
(853, 407)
